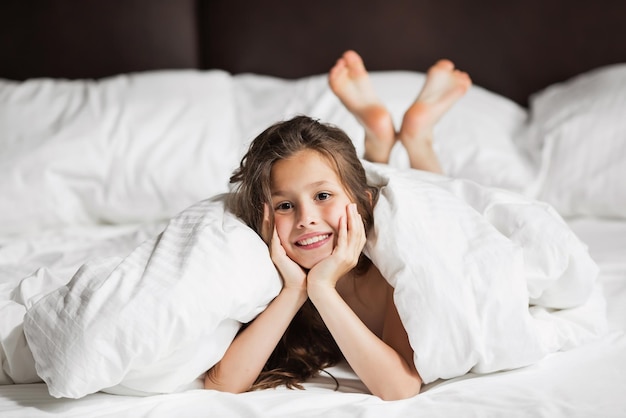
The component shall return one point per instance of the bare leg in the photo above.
(350, 82)
(443, 87)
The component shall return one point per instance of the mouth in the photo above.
(314, 241)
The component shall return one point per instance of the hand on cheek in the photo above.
(292, 274)
(345, 256)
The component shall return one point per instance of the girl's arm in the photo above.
(247, 354)
(384, 365)
(245, 357)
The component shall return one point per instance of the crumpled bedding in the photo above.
(157, 319)
(465, 261)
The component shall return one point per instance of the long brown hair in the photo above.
(307, 346)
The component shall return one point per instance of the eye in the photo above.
(283, 206)
(323, 196)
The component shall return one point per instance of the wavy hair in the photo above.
(307, 347)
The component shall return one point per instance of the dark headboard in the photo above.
(512, 47)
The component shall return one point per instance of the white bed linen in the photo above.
(577, 134)
(145, 146)
(464, 259)
(588, 381)
(475, 140)
(153, 320)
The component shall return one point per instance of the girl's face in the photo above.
(308, 200)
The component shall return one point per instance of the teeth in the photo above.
(313, 240)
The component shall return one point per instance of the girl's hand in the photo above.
(345, 256)
(294, 277)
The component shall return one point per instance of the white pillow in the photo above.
(156, 320)
(144, 146)
(474, 140)
(129, 148)
(578, 133)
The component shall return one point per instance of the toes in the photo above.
(444, 64)
(354, 62)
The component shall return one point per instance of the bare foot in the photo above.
(443, 87)
(350, 82)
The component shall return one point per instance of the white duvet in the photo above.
(485, 280)
(465, 261)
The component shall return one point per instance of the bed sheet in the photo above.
(606, 239)
(584, 382)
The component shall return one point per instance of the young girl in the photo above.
(302, 187)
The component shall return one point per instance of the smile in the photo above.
(312, 240)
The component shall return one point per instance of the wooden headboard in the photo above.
(512, 47)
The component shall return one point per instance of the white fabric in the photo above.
(458, 254)
(140, 147)
(54, 256)
(474, 140)
(129, 148)
(466, 261)
(577, 132)
(156, 320)
(551, 387)
(76, 153)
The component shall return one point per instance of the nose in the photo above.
(307, 215)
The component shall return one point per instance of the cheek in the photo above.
(283, 228)
(334, 214)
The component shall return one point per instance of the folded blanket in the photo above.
(465, 261)
(154, 321)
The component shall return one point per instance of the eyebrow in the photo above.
(311, 185)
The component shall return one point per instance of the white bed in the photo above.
(94, 169)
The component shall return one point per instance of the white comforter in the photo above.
(465, 261)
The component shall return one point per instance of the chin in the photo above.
(309, 263)
(306, 265)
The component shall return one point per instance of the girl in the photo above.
(302, 187)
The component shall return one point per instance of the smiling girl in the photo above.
(302, 187)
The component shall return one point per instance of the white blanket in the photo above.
(156, 320)
(465, 261)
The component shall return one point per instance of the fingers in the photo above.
(275, 244)
(351, 237)
(265, 228)
(292, 274)
(271, 236)
(356, 229)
